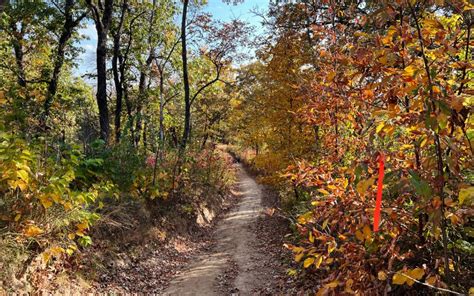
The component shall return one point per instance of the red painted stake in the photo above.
(378, 202)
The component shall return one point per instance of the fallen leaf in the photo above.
(308, 262)
(32, 230)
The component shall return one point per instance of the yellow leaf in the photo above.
(323, 191)
(424, 142)
(14, 184)
(67, 206)
(416, 273)
(45, 257)
(330, 76)
(471, 291)
(325, 223)
(70, 249)
(332, 246)
(71, 235)
(380, 127)
(319, 261)
(348, 287)
(23, 175)
(345, 183)
(296, 249)
(367, 232)
(431, 280)
(56, 197)
(382, 276)
(399, 279)
(311, 237)
(332, 284)
(410, 71)
(364, 185)
(304, 218)
(32, 230)
(45, 201)
(466, 195)
(17, 217)
(359, 235)
(2, 97)
(432, 24)
(298, 257)
(56, 250)
(468, 6)
(308, 261)
(389, 129)
(82, 226)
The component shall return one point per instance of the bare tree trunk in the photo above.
(18, 50)
(187, 99)
(102, 86)
(162, 114)
(145, 140)
(118, 75)
(102, 15)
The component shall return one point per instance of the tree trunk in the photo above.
(142, 85)
(68, 29)
(187, 101)
(118, 75)
(162, 114)
(102, 17)
(102, 85)
(18, 50)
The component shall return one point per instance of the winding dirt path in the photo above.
(234, 256)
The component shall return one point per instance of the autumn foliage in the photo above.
(334, 88)
(343, 83)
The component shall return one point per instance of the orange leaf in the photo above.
(32, 230)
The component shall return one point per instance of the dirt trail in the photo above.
(234, 256)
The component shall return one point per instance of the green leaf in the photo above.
(464, 246)
(85, 241)
(422, 188)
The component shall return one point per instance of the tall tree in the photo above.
(117, 69)
(187, 99)
(144, 72)
(70, 23)
(102, 15)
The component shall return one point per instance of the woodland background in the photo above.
(332, 86)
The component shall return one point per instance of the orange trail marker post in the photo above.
(378, 201)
